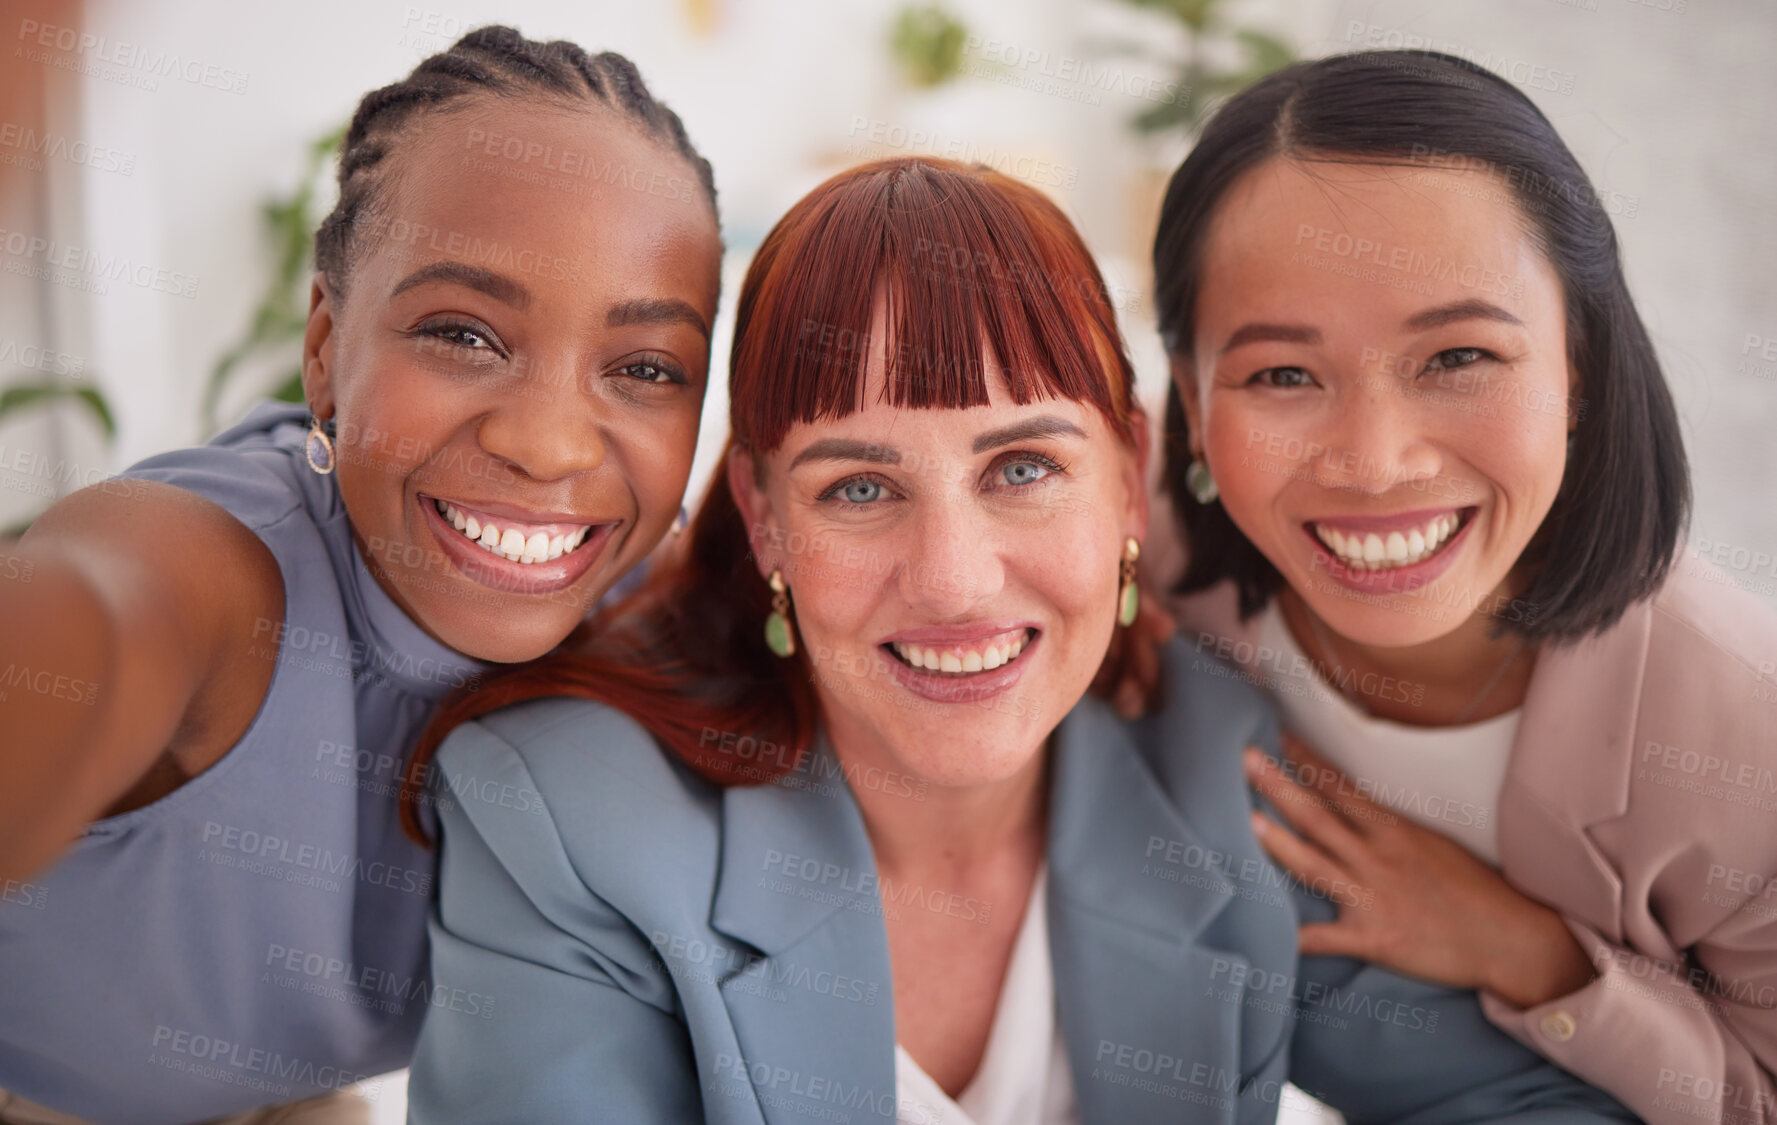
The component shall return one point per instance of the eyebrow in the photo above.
(1279, 333)
(1042, 426)
(1461, 310)
(498, 286)
(844, 449)
(656, 310)
(1428, 318)
(875, 453)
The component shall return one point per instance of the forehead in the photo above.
(1399, 236)
(877, 419)
(553, 189)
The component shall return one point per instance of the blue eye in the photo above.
(861, 491)
(1020, 473)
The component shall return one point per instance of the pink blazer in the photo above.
(1640, 801)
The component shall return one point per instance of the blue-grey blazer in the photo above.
(617, 939)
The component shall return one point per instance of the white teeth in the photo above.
(1371, 551)
(962, 661)
(510, 542)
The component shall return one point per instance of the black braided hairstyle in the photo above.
(495, 60)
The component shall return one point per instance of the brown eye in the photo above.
(1281, 377)
(1456, 357)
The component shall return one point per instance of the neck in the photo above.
(1465, 676)
(926, 829)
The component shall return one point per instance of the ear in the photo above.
(1135, 477)
(755, 508)
(317, 350)
(1184, 377)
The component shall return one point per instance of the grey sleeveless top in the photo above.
(258, 936)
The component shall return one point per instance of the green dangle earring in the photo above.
(1129, 595)
(779, 636)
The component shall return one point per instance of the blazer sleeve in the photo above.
(573, 1014)
(1677, 1043)
(1379, 1046)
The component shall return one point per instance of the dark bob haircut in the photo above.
(1614, 528)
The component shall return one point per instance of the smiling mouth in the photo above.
(511, 540)
(961, 661)
(1362, 550)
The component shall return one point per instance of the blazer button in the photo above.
(1560, 1025)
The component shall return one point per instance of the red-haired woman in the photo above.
(830, 822)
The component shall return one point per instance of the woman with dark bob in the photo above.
(834, 822)
(1432, 490)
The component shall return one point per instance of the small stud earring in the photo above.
(1129, 594)
(319, 448)
(780, 638)
(1202, 486)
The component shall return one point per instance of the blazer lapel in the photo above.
(1151, 1024)
(1570, 768)
(813, 1013)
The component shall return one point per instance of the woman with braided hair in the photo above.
(212, 906)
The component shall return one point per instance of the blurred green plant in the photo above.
(281, 315)
(1200, 80)
(927, 42)
(42, 392)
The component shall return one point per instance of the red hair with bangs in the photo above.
(969, 263)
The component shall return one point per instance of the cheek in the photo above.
(655, 454)
(1250, 459)
(1524, 458)
(1073, 572)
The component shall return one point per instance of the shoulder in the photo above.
(581, 780)
(1209, 714)
(252, 471)
(1703, 612)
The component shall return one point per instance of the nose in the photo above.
(953, 563)
(1374, 437)
(544, 426)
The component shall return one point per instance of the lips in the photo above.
(961, 665)
(1414, 548)
(499, 571)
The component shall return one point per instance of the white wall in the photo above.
(1672, 110)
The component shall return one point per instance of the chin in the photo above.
(1399, 620)
(966, 744)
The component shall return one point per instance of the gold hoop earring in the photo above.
(1129, 595)
(319, 448)
(780, 638)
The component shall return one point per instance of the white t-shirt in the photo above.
(1024, 1077)
(1445, 778)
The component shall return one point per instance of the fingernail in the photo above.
(1254, 761)
(1260, 824)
